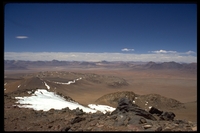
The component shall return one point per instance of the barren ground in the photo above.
(178, 85)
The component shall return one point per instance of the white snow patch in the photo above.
(79, 79)
(102, 108)
(5, 83)
(48, 87)
(18, 86)
(133, 101)
(4, 89)
(45, 100)
(29, 92)
(121, 116)
(150, 107)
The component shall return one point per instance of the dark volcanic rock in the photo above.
(162, 115)
(124, 102)
(77, 119)
(167, 116)
(79, 111)
(154, 110)
(125, 105)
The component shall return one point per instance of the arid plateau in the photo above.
(129, 91)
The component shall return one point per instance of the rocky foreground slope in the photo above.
(128, 116)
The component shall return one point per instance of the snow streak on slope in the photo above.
(48, 87)
(4, 86)
(69, 82)
(45, 100)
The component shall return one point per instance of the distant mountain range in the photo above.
(24, 65)
(171, 65)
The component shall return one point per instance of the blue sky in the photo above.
(124, 29)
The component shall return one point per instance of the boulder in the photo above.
(162, 115)
(77, 119)
(154, 110)
(125, 105)
(167, 116)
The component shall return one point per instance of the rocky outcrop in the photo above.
(129, 117)
(126, 117)
(162, 115)
(126, 106)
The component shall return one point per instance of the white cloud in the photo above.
(48, 56)
(126, 49)
(21, 37)
(190, 52)
(163, 52)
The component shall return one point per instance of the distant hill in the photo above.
(14, 65)
(191, 66)
(84, 63)
(144, 101)
(170, 65)
(24, 65)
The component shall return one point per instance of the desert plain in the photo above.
(95, 82)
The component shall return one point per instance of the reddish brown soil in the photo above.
(175, 84)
